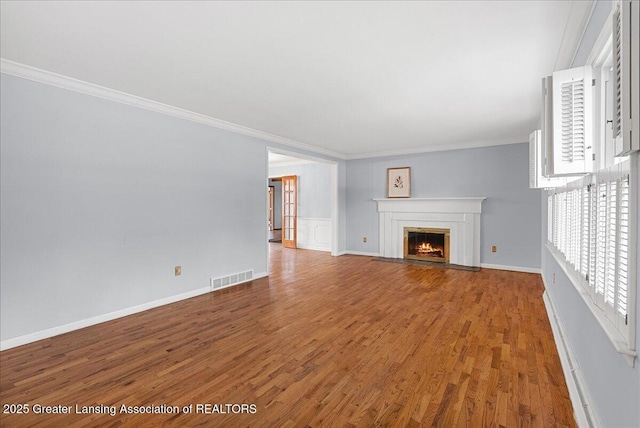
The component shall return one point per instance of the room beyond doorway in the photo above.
(315, 201)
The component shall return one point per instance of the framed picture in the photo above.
(399, 182)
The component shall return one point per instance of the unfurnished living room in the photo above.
(314, 214)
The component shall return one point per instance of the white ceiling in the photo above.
(353, 78)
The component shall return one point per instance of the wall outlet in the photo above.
(177, 270)
(364, 239)
(494, 249)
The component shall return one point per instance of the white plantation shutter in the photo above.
(623, 248)
(585, 207)
(550, 199)
(610, 262)
(589, 224)
(593, 216)
(577, 227)
(617, 74)
(546, 121)
(537, 180)
(572, 121)
(601, 239)
(573, 118)
(534, 160)
(562, 221)
(626, 75)
(556, 220)
(592, 220)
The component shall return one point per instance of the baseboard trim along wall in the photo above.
(581, 407)
(511, 268)
(482, 265)
(361, 253)
(66, 328)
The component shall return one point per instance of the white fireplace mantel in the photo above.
(460, 215)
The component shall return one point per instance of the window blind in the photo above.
(589, 225)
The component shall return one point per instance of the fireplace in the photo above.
(460, 215)
(427, 244)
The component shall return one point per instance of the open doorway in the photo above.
(315, 200)
(274, 196)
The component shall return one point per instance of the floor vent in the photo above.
(228, 281)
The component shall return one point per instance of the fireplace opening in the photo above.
(426, 244)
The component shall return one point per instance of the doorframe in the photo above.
(272, 218)
(335, 235)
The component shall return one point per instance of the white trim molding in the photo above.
(582, 410)
(69, 83)
(76, 325)
(616, 338)
(442, 147)
(360, 253)
(460, 215)
(511, 268)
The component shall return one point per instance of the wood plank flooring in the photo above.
(324, 341)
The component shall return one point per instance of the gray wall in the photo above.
(612, 386)
(510, 214)
(101, 200)
(314, 188)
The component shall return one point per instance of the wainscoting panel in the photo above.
(314, 233)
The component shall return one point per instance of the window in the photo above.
(589, 229)
(592, 220)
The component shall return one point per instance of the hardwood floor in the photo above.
(324, 341)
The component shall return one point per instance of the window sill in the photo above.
(616, 338)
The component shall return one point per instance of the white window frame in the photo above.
(585, 235)
(576, 232)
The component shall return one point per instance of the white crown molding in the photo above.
(440, 148)
(69, 83)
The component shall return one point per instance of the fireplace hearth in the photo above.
(427, 244)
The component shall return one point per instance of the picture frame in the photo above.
(399, 182)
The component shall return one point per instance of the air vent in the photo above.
(231, 280)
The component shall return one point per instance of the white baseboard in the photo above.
(312, 247)
(511, 268)
(361, 253)
(76, 325)
(582, 410)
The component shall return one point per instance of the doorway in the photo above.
(316, 199)
(274, 197)
(283, 210)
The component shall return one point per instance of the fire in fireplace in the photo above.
(426, 244)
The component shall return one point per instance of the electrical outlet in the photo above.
(364, 239)
(177, 270)
(494, 249)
